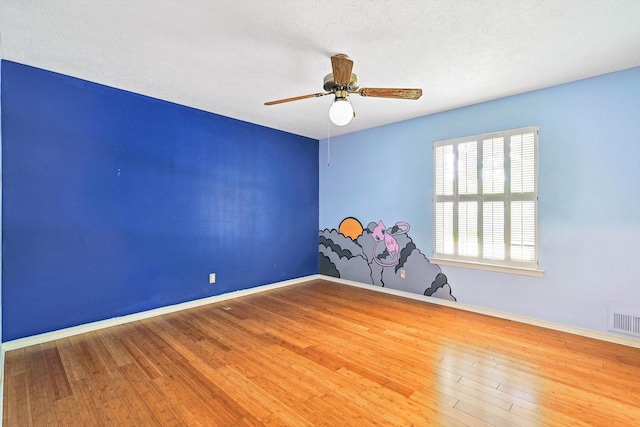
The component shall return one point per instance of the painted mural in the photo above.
(381, 256)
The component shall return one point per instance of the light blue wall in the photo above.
(589, 208)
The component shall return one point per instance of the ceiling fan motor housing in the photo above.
(330, 85)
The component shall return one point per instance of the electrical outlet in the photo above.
(403, 274)
(212, 278)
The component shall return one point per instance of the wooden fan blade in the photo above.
(391, 93)
(342, 67)
(297, 98)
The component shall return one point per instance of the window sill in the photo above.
(489, 267)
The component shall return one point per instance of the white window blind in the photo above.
(493, 230)
(468, 228)
(467, 167)
(444, 227)
(523, 231)
(444, 170)
(493, 165)
(485, 199)
(523, 163)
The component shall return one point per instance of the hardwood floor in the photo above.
(321, 353)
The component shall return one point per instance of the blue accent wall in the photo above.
(115, 203)
(1, 368)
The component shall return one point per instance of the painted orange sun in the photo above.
(350, 227)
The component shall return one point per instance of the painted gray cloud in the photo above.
(419, 273)
(339, 242)
(343, 255)
(361, 260)
(440, 288)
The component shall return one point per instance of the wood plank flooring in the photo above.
(323, 354)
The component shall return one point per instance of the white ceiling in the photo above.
(230, 56)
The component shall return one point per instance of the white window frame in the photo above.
(448, 196)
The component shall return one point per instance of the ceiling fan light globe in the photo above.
(341, 112)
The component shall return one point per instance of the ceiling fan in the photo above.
(341, 82)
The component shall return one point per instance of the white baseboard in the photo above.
(94, 326)
(1, 382)
(602, 336)
(101, 324)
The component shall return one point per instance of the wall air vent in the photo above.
(624, 322)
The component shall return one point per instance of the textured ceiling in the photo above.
(229, 57)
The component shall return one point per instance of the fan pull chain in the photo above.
(328, 142)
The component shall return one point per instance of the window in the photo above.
(486, 200)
